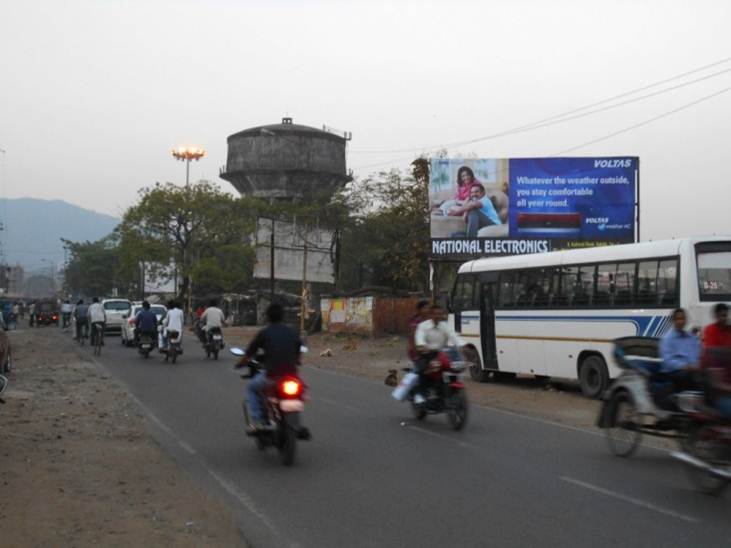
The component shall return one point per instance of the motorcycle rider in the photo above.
(81, 314)
(97, 318)
(146, 322)
(173, 322)
(432, 336)
(212, 318)
(680, 353)
(281, 346)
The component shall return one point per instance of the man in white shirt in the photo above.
(174, 321)
(432, 336)
(97, 319)
(213, 316)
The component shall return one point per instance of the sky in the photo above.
(95, 94)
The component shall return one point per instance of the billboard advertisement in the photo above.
(289, 255)
(531, 205)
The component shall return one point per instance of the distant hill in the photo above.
(33, 229)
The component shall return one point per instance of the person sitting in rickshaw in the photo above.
(680, 353)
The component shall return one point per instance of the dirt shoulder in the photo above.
(79, 467)
(372, 358)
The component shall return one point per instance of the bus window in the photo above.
(544, 286)
(714, 275)
(605, 284)
(667, 282)
(506, 290)
(521, 290)
(624, 284)
(464, 294)
(647, 283)
(584, 286)
(568, 286)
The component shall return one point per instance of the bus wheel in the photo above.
(593, 376)
(477, 373)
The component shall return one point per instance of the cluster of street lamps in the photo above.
(186, 154)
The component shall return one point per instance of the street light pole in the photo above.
(186, 154)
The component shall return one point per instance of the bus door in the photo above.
(488, 290)
(466, 309)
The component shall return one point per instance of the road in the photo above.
(373, 476)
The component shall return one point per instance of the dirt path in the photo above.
(78, 466)
(373, 358)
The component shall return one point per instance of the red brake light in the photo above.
(291, 387)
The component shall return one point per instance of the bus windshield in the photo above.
(714, 274)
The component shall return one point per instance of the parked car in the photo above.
(128, 329)
(117, 311)
(46, 313)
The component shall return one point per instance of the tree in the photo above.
(203, 231)
(93, 267)
(386, 241)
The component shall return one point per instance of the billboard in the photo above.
(531, 205)
(288, 247)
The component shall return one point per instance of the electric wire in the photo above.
(571, 114)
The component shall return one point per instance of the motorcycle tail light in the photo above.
(291, 387)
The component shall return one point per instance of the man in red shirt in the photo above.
(717, 359)
(719, 332)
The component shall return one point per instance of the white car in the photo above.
(116, 311)
(128, 329)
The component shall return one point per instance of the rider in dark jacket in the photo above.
(146, 322)
(281, 346)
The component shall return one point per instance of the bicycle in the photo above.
(83, 333)
(97, 337)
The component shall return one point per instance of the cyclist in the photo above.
(81, 315)
(97, 319)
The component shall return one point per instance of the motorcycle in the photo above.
(444, 391)
(640, 400)
(145, 345)
(707, 451)
(214, 342)
(173, 348)
(283, 400)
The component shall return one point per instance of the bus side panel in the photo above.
(507, 348)
(470, 329)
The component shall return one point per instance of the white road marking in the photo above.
(629, 499)
(229, 487)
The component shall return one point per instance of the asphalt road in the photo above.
(373, 476)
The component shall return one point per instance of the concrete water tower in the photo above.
(286, 162)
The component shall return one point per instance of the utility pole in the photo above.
(303, 304)
(271, 264)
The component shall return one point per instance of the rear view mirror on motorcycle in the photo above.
(237, 351)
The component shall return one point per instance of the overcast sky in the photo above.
(94, 94)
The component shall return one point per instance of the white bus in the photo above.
(556, 314)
